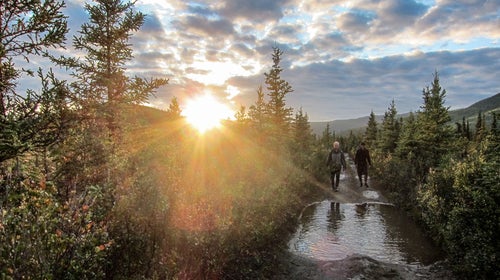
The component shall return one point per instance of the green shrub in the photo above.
(461, 204)
(43, 238)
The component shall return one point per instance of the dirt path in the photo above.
(349, 189)
(356, 266)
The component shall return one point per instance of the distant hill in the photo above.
(140, 114)
(486, 106)
(342, 126)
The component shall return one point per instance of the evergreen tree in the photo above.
(96, 155)
(31, 120)
(242, 116)
(465, 129)
(434, 135)
(494, 128)
(327, 137)
(257, 112)
(351, 143)
(407, 145)
(302, 140)
(102, 87)
(389, 132)
(242, 124)
(371, 130)
(102, 90)
(468, 133)
(480, 127)
(279, 114)
(174, 110)
(459, 130)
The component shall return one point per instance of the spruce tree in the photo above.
(389, 132)
(465, 129)
(30, 120)
(257, 112)
(494, 128)
(102, 87)
(407, 145)
(371, 130)
(480, 129)
(327, 137)
(279, 114)
(302, 139)
(242, 119)
(434, 135)
(351, 143)
(101, 91)
(97, 155)
(469, 135)
(174, 110)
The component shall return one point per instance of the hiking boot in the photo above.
(360, 184)
(366, 185)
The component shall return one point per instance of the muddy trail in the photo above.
(324, 260)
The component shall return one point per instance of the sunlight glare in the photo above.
(205, 112)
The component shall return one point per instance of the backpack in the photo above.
(335, 160)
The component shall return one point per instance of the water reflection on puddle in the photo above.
(333, 231)
(371, 194)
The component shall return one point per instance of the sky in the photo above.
(343, 59)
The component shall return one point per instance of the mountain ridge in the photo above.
(486, 105)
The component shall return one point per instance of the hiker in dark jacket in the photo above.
(336, 163)
(362, 161)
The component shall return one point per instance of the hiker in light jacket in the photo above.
(335, 163)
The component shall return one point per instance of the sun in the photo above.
(205, 112)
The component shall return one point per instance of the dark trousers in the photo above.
(362, 170)
(335, 177)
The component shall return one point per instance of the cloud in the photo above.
(287, 33)
(343, 58)
(340, 90)
(400, 12)
(204, 27)
(461, 20)
(255, 10)
(357, 21)
(364, 85)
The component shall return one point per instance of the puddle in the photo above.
(333, 231)
(371, 194)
